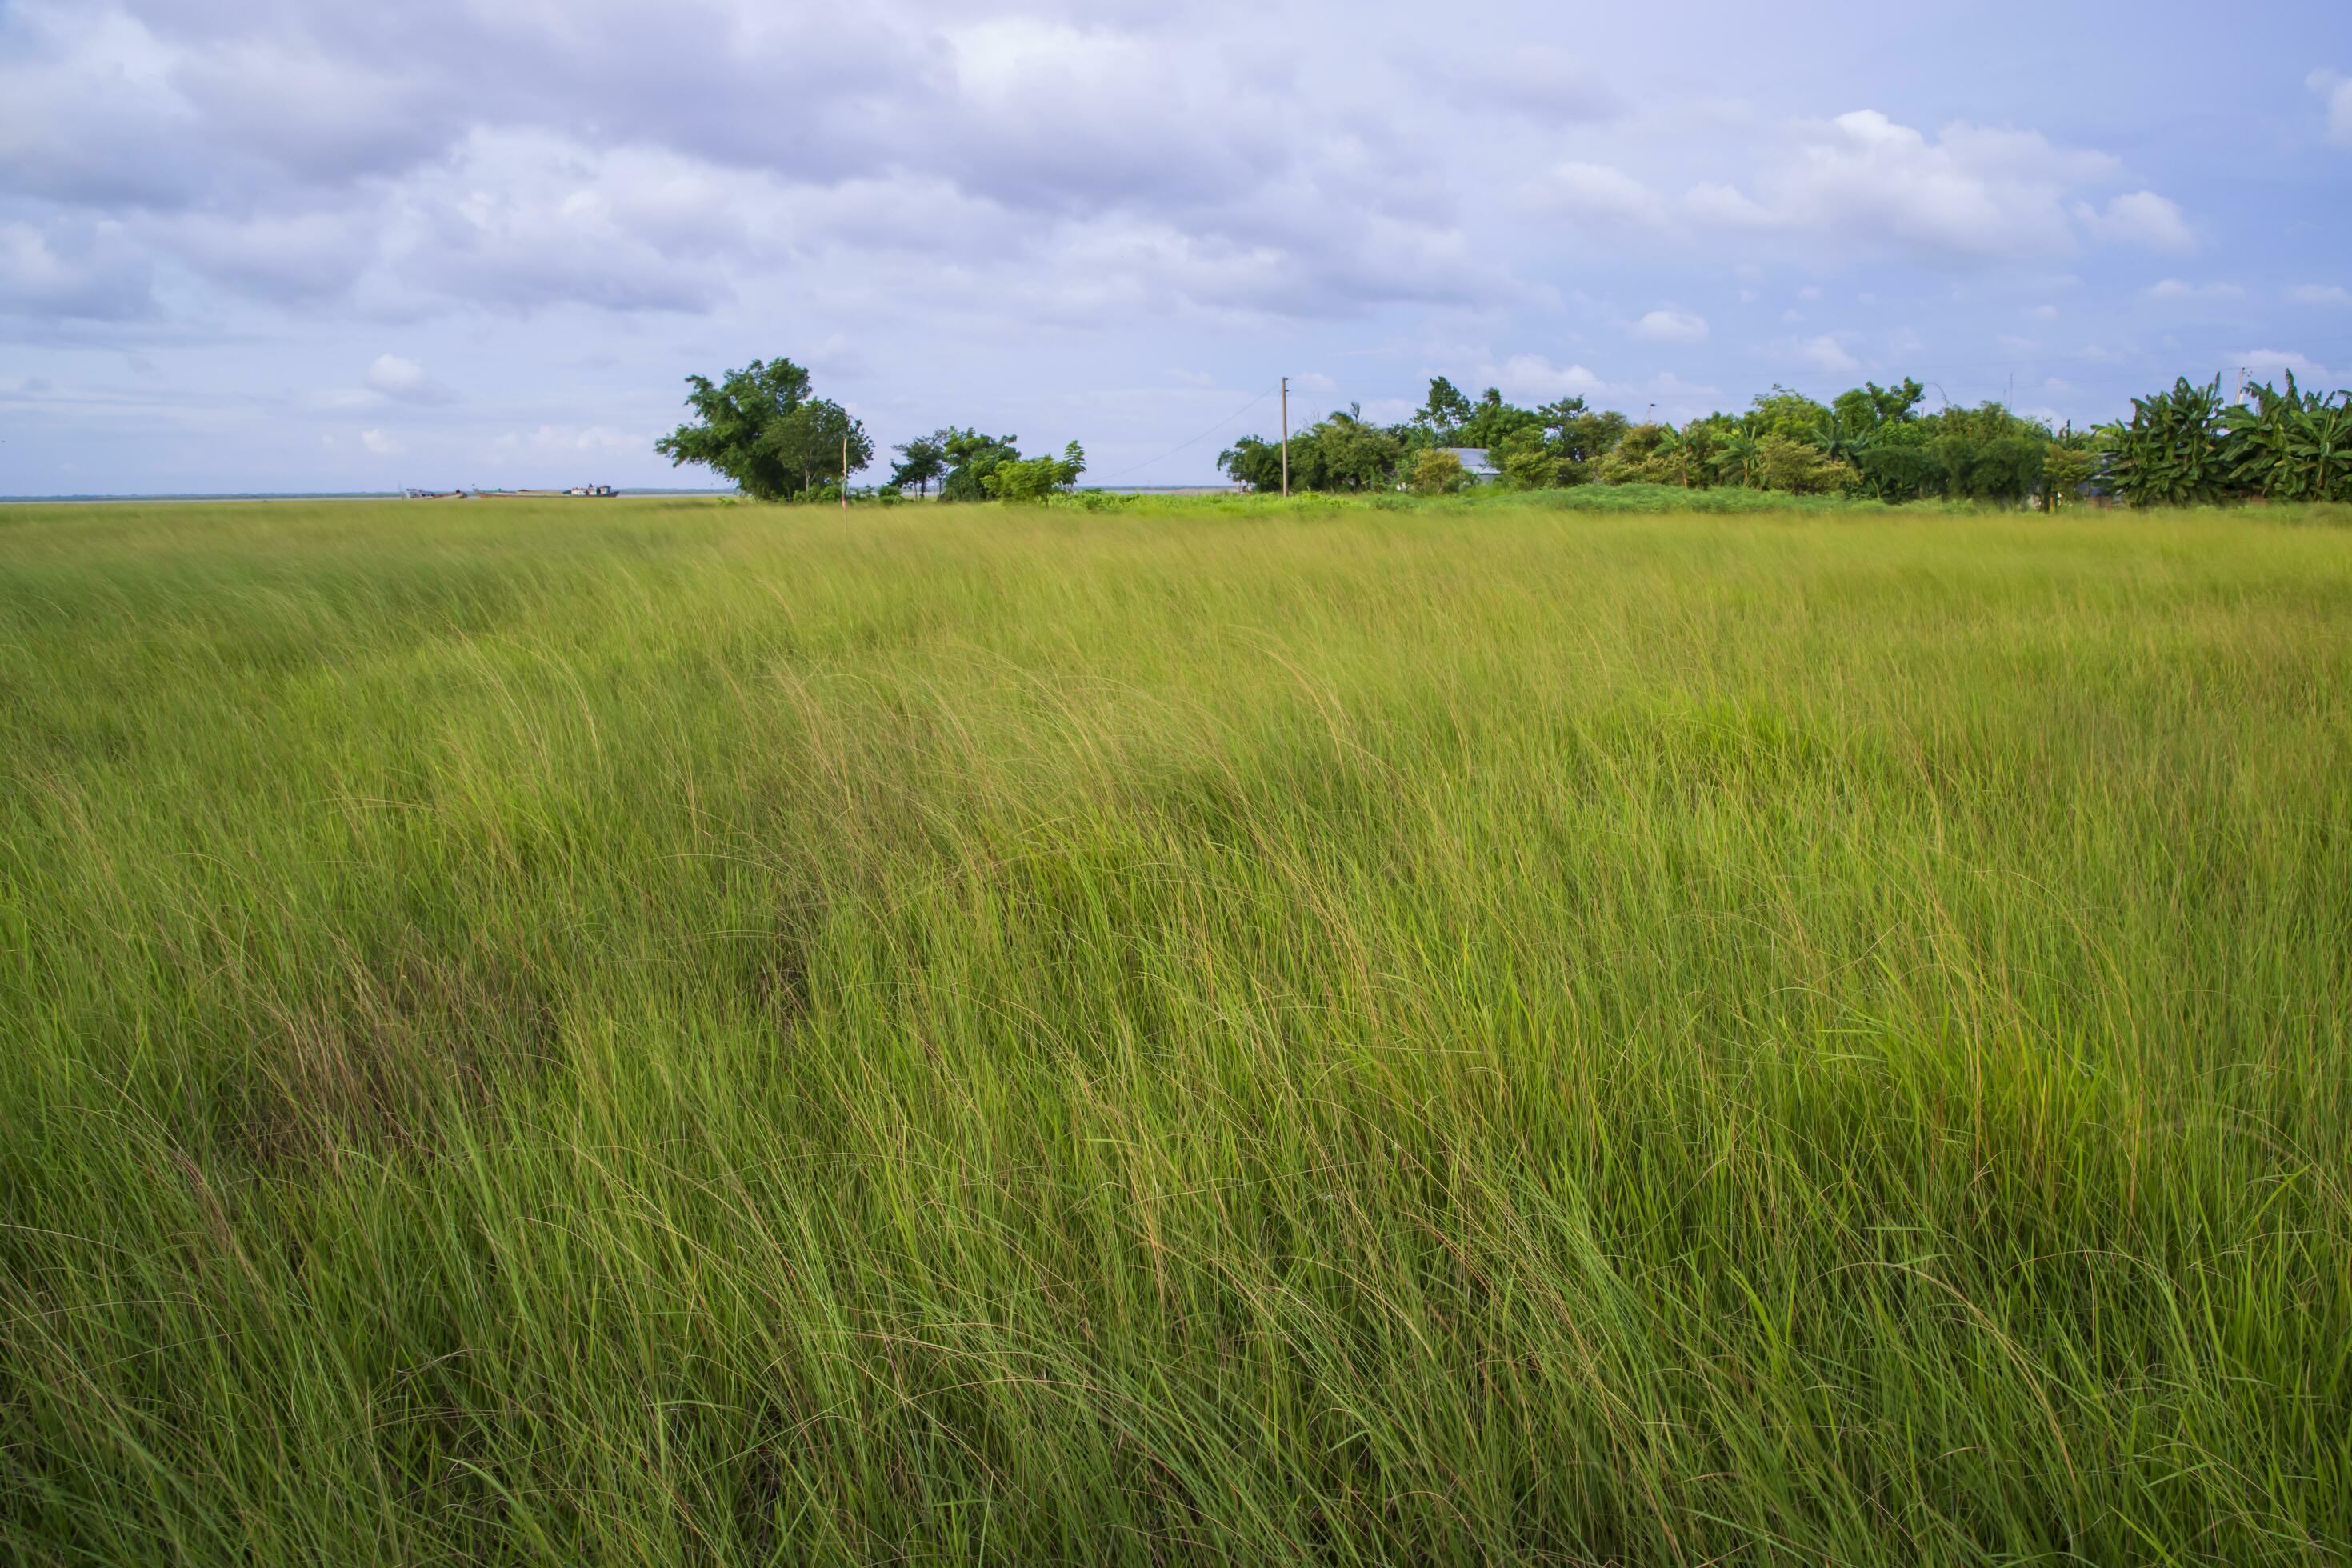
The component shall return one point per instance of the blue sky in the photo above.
(280, 246)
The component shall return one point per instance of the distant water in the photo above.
(1208, 488)
(321, 495)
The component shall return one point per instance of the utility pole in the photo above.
(845, 476)
(1286, 438)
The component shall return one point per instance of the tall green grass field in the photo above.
(660, 1032)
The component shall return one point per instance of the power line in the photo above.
(1203, 436)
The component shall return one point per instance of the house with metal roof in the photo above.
(1474, 463)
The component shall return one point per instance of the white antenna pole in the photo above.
(1286, 438)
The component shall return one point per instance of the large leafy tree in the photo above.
(1445, 412)
(1034, 478)
(1903, 470)
(920, 461)
(734, 419)
(1865, 408)
(972, 458)
(1437, 472)
(1785, 413)
(812, 440)
(1341, 452)
(1256, 462)
(1494, 422)
(1355, 455)
(2066, 467)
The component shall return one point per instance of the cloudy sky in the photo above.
(276, 245)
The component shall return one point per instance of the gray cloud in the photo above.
(83, 271)
(607, 155)
(563, 207)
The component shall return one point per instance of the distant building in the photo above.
(1474, 463)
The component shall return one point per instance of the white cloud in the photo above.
(2320, 294)
(1726, 206)
(2268, 364)
(2180, 290)
(2141, 217)
(2336, 88)
(1534, 377)
(404, 380)
(1667, 325)
(2045, 313)
(381, 445)
(1827, 353)
(66, 268)
(1602, 195)
(1862, 180)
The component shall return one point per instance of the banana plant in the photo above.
(1736, 455)
(2171, 454)
(1840, 442)
(2291, 444)
(1673, 454)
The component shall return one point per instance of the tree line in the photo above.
(2183, 446)
(762, 428)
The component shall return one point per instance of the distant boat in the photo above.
(413, 494)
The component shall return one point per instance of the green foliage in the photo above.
(1789, 415)
(1579, 435)
(1341, 452)
(2004, 469)
(1870, 408)
(1871, 440)
(1494, 422)
(1352, 455)
(1437, 472)
(622, 1034)
(2066, 469)
(1636, 458)
(1798, 467)
(1529, 461)
(735, 420)
(1903, 470)
(1553, 446)
(1738, 457)
(1254, 461)
(972, 458)
(2169, 454)
(922, 461)
(1034, 478)
(1446, 411)
(811, 440)
(2292, 444)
